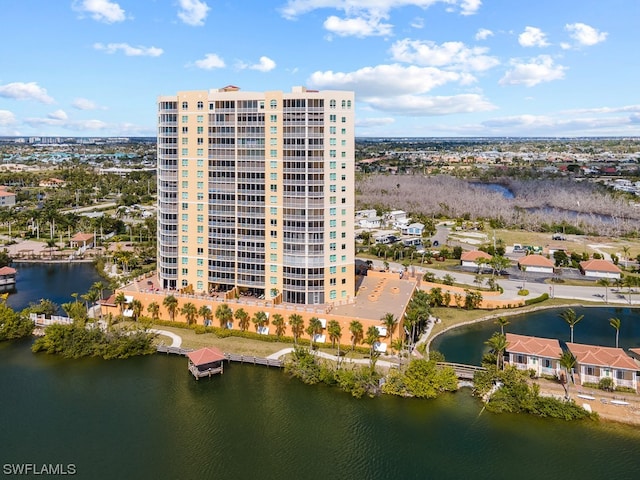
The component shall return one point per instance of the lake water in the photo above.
(466, 344)
(55, 281)
(147, 418)
(495, 187)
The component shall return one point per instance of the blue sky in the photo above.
(418, 67)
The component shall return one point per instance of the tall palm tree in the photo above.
(570, 316)
(629, 282)
(154, 310)
(389, 321)
(335, 332)
(625, 250)
(224, 314)
(205, 312)
(314, 328)
(297, 325)
(498, 344)
(277, 321)
(100, 287)
(357, 330)
(567, 361)
(615, 323)
(171, 304)
(604, 282)
(121, 301)
(371, 338)
(259, 319)
(189, 310)
(503, 322)
(243, 319)
(136, 307)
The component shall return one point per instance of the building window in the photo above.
(332, 294)
(184, 228)
(185, 271)
(185, 195)
(273, 268)
(185, 173)
(185, 239)
(200, 262)
(273, 210)
(185, 141)
(200, 285)
(333, 258)
(185, 162)
(185, 105)
(332, 223)
(332, 118)
(200, 162)
(200, 118)
(273, 104)
(185, 118)
(200, 218)
(200, 152)
(185, 151)
(185, 217)
(332, 104)
(332, 281)
(185, 206)
(332, 211)
(343, 269)
(184, 260)
(199, 273)
(591, 371)
(273, 245)
(200, 240)
(273, 164)
(200, 130)
(200, 185)
(273, 280)
(273, 130)
(200, 106)
(185, 250)
(332, 130)
(273, 118)
(273, 257)
(273, 176)
(200, 174)
(332, 270)
(200, 229)
(332, 235)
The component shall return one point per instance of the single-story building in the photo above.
(536, 263)
(52, 183)
(597, 268)
(369, 222)
(82, 240)
(413, 229)
(470, 259)
(533, 353)
(7, 199)
(593, 363)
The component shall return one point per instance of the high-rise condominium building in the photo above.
(256, 191)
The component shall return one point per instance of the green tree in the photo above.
(335, 332)
(136, 308)
(357, 330)
(121, 301)
(389, 321)
(277, 321)
(498, 344)
(503, 322)
(189, 310)
(570, 316)
(14, 325)
(243, 319)
(259, 319)
(205, 312)
(615, 323)
(154, 310)
(567, 361)
(224, 314)
(314, 328)
(297, 325)
(171, 304)
(371, 338)
(606, 283)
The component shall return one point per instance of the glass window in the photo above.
(185, 105)
(185, 162)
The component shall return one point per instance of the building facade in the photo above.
(256, 192)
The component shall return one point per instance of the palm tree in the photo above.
(297, 324)
(50, 244)
(121, 301)
(498, 344)
(224, 314)
(100, 287)
(90, 298)
(567, 361)
(356, 329)
(335, 332)
(615, 323)
(277, 321)
(523, 268)
(625, 250)
(189, 310)
(570, 316)
(629, 282)
(371, 338)
(154, 310)
(314, 328)
(604, 282)
(136, 307)
(503, 322)
(389, 321)
(259, 319)
(243, 319)
(171, 304)
(205, 312)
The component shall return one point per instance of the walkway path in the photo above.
(176, 339)
(360, 361)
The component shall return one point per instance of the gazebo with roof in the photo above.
(206, 361)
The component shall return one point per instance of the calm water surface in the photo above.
(466, 344)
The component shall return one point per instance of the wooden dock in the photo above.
(230, 357)
(204, 373)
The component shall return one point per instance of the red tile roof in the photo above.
(535, 261)
(205, 355)
(82, 237)
(541, 347)
(6, 194)
(473, 255)
(602, 356)
(7, 271)
(597, 265)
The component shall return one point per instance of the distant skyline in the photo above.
(419, 68)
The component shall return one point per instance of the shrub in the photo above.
(523, 292)
(606, 384)
(541, 298)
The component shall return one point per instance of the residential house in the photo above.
(593, 363)
(536, 264)
(82, 240)
(52, 183)
(541, 355)
(597, 268)
(7, 199)
(470, 259)
(413, 229)
(370, 222)
(397, 218)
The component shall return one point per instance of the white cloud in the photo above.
(416, 105)
(449, 54)
(470, 7)
(374, 122)
(417, 23)
(7, 118)
(25, 91)
(209, 62)
(483, 34)
(357, 27)
(100, 10)
(193, 12)
(265, 65)
(128, 50)
(533, 37)
(77, 126)
(385, 80)
(85, 104)
(537, 70)
(58, 115)
(585, 35)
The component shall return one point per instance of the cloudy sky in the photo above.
(418, 67)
